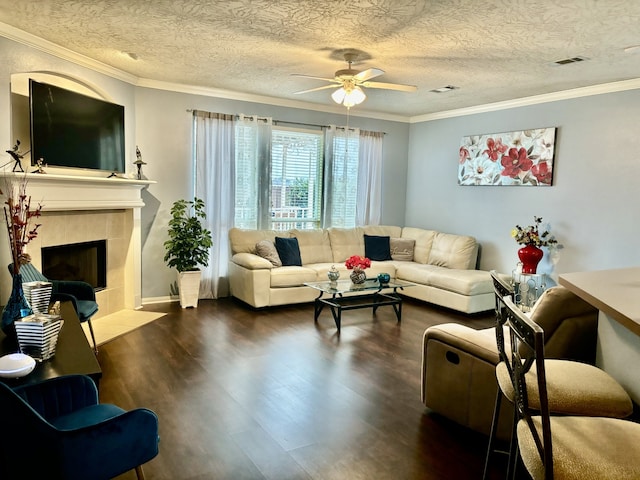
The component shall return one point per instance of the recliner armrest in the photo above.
(481, 343)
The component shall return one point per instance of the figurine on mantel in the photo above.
(138, 163)
(17, 157)
(40, 164)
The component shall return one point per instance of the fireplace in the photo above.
(86, 261)
(78, 210)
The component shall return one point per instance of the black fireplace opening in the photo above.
(86, 261)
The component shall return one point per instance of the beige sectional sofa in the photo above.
(442, 265)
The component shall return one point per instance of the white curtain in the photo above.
(341, 177)
(253, 171)
(214, 183)
(369, 197)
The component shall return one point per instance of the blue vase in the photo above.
(16, 307)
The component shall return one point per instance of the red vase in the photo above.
(530, 256)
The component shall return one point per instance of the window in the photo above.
(296, 179)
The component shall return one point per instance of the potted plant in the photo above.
(188, 246)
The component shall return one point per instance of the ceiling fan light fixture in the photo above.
(354, 96)
(338, 95)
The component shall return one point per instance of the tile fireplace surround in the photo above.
(81, 209)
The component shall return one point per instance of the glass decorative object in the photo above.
(527, 288)
(333, 274)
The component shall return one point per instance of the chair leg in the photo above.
(513, 447)
(492, 434)
(140, 472)
(93, 337)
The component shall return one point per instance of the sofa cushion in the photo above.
(288, 251)
(377, 248)
(462, 281)
(292, 276)
(267, 250)
(244, 240)
(453, 251)
(315, 246)
(424, 240)
(401, 249)
(346, 242)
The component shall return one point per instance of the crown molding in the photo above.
(51, 48)
(46, 46)
(600, 89)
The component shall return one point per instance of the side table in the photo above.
(527, 288)
(73, 355)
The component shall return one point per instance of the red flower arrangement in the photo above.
(18, 216)
(356, 262)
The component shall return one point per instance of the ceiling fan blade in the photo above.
(316, 78)
(390, 86)
(367, 74)
(324, 87)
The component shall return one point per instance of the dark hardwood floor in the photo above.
(246, 394)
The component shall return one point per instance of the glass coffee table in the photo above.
(346, 295)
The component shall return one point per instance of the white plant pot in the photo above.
(189, 287)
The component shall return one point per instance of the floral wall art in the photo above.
(512, 158)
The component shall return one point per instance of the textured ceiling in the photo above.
(492, 50)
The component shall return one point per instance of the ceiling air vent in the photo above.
(567, 61)
(447, 88)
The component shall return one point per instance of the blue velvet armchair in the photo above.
(56, 429)
(79, 293)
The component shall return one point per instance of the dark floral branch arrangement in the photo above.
(19, 217)
(531, 235)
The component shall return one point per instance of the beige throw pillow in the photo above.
(266, 249)
(402, 248)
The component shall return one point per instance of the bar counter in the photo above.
(616, 294)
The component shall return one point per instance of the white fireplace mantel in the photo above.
(68, 193)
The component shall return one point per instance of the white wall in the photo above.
(593, 205)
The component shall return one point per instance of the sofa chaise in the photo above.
(442, 265)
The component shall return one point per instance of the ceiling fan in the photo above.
(350, 81)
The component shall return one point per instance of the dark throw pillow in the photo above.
(377, 247)
(288, 251)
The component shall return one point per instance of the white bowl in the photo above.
(16, 365)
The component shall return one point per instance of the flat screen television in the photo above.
(69, 129)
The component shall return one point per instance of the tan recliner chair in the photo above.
(458, 362)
